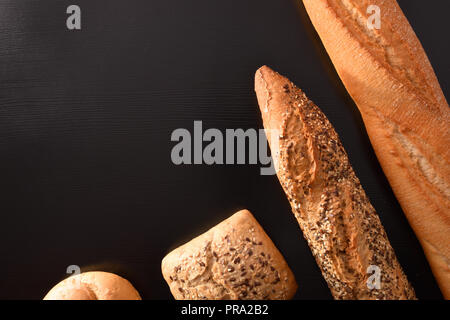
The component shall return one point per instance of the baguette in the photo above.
(235, 260)
(390, 78)
(341, 226)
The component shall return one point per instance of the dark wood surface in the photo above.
(85, 123)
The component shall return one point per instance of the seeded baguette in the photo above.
(235, 260)
(341, 226)
(388, 75)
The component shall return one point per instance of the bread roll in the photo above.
(341, 226)
(388, 75)
(234, 260)
(94, 285)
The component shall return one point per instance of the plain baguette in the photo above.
(341, 226)
(235, 260)
(390, 78)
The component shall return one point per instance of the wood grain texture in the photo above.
(85, 124)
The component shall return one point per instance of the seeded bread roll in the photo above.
(94, 285)
(341, 226)
(235, 260)
(388, 75)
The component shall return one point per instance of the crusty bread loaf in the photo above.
(341, 226)
(95, 285)
(388, 75)
(234, 260)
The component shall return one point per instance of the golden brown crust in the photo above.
(388, 75)
(95, 285)
(234, 260)
(341, 226)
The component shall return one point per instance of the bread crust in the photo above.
(341, 226)
(94, 285)
(391, 80)
(234, 260)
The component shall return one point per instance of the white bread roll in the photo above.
(96, 285)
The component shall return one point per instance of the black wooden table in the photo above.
(86, 116)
